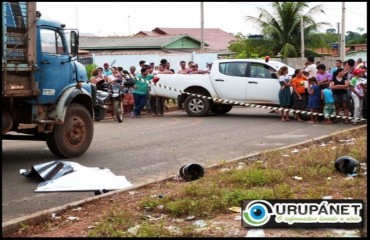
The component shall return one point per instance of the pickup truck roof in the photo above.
(276, 64)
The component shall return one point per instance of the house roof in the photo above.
(148, 51)
(148, 33)
(215, 37)
(135, 42)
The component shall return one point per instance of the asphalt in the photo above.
(39, 217)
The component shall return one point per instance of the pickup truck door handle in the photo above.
(253, 82)
(219, 80)
(45, 62)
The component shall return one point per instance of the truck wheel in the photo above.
(74, 137)
(220, 109)
(118, 113)
(196, 106)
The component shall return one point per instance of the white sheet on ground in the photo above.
(84, 179)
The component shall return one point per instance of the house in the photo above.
(128, 51)
(356, 55)
(217, 39)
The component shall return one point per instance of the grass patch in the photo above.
(269, 176)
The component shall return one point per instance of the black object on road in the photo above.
(191, 171)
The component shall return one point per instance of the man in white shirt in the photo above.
(311, 67)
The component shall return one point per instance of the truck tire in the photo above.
(196, 106)
(118, 113)
(74, 137)
(221, 109)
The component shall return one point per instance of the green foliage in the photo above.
(282, 25)
(89, 69)
(251, 48)
(355, 38)
(114, 225)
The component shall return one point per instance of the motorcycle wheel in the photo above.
(118, 112)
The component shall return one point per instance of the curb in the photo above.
(35, 218)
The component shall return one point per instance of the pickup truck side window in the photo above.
(236, 69)
(260, 70)
(51, 42)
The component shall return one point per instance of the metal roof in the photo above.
(90, 43)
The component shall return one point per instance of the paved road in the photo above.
(150, 148)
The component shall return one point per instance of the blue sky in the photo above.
(125, 18)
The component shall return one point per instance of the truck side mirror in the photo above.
(74, 43)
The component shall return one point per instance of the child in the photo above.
(327, 96)
(314, 97)
(357, 94)
(128, 100)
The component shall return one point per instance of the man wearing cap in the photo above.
(357, 93)
(107, 71)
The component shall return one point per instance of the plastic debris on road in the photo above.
(69, 176)
(255, 233)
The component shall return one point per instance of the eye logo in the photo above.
(257, 213)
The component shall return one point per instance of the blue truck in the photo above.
(46, 95)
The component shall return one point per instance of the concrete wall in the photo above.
(126, 61)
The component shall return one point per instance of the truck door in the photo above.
(230, 81)
(262, 84)
(54, 66)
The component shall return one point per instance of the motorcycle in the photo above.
(109, 100)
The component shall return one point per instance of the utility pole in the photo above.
(129, 32)
(302, 39)
(201, 26)
(76, 17)
(339, 40)
(343, 35)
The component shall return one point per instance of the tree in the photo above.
(331, 31)
(354, 38)
(282, 26)
(250, 47)
(89, 69)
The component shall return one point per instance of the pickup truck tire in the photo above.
(220, 109)
(196, 106)
(74, 137)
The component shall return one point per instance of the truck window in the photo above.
(260, 70)
(51, 42)
(236, 69)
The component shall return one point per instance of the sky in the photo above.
(128, 18)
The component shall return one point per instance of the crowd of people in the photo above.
(138, 97)
(314, 88)
(330, 92)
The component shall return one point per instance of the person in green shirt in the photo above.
(140, 91)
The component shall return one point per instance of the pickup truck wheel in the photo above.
(220, 109)
(74, 137)
(196, 106)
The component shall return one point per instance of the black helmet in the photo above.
(129, 82)
(346, 164)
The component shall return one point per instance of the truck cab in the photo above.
(46, 94)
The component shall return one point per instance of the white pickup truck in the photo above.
(243, 80)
